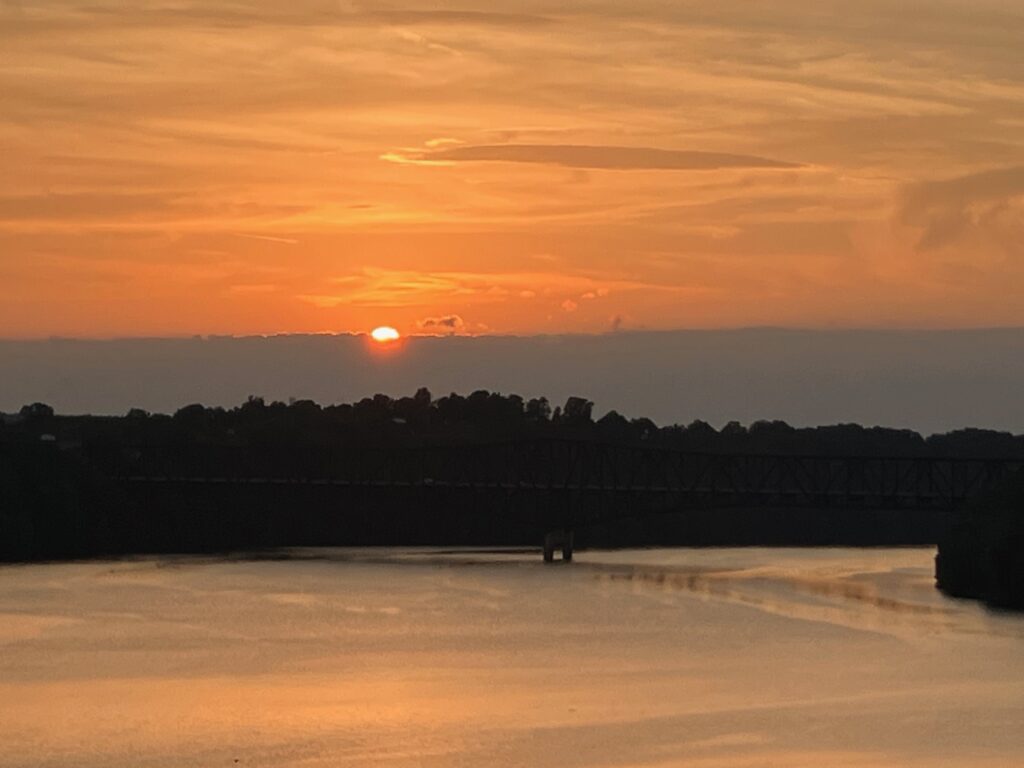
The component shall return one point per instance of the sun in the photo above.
(385, 334)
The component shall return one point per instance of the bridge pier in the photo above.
(553, 540)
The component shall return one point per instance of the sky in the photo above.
(538, 167)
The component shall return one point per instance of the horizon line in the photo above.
(519, 335)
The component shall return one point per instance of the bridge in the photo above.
(567, 484)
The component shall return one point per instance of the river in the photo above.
(746, 658)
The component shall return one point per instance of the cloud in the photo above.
(569, 306)
(81, 206)
(594, 157)
(268, 238)
(441, 142)
(256, 15)
(117, 209)
(396, 289)
(461, 18)
(445, 324)
(989, 204)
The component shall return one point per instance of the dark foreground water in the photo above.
(746, 658)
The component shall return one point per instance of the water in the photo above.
(741, 658)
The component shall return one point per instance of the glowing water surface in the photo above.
(730, 657)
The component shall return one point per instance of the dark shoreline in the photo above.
(491, 470)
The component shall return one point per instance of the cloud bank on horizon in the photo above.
(931, 381)
(331, 165)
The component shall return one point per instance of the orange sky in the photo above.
(256, 167)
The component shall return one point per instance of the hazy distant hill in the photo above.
(925, 380)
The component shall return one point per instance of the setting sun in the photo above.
(384, 334)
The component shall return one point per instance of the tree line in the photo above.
(421, 419)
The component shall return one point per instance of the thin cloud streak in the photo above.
(269, 238)
(600, 157)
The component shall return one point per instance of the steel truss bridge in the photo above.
(697, 479)
(567, 483)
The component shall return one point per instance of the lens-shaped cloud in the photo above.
(595, 157)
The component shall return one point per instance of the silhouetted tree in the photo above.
(37, 411)
(614, 426)
(734, 430)
(538, 409)
(644, 428)
(253, 404)
(577, 411)
(191, 414)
